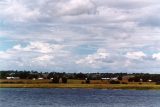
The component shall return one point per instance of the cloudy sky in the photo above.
(80, 35)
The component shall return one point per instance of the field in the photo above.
(98, 84)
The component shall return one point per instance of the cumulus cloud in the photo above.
(34, 54)
(4, 55)
(97, 59)
(156, 56)
(136, 55)
(18, 11)
(40, 47)
(76, 7)
(43, 58)
(100, 33)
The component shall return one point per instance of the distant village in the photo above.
(114, 77)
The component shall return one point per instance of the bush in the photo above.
(55, 79)
(124, 83)
(82, 82)
(114, 82)
(158, 83)
(64, 80)
(120, 78)
(131, 80)
(87, 81)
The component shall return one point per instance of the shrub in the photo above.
(158, 83)
(87, 81)
(64, 80)
(124, 83)
(120, 78)
(114, 82)
(82, 82)
(55, 79)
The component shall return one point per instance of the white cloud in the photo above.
(74, 29)
(138, 55)
(4, 55)
(40, 47)
(43, 58)
(156, 56)
(76, 7)
(94, 59)
(18, 11)
(34, 54)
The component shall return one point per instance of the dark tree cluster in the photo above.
(114, 82)
(145, 77)
(87, 81)
(57, 79)
(62, 76)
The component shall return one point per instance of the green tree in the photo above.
(55, 79)
(64, 80)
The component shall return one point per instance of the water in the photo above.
(23, 97)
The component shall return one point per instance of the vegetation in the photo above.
(48, 75)
(114, 82)
(72, 83)
(97, 86)
(64, 80)
(87, 81)
(135, 77)
(34, 79)
(55, 79)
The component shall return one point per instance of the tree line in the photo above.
(134, 77)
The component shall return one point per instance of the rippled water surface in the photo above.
(32, 97)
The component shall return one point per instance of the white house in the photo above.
(105, 78)
(114, 78)
(13, 78)
(40, 78)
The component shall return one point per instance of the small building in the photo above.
(141, 80)
(114, 79)
(105, 78)
(40, 78)
(12, 78)
(9, 78)
(149, 80)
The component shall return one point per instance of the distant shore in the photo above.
(95, 84)
(92, 86)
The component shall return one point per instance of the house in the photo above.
(141, 80)
(114, 79)
(149, 80)
(105, 78)
(40, 78)
(13, 78)
(9, 78)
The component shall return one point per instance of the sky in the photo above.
(80, 35)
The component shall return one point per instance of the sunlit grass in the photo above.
(97, 84)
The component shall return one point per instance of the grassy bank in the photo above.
(97, 84)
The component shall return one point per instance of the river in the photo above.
(41, 97)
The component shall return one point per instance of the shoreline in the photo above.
(85, 86)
